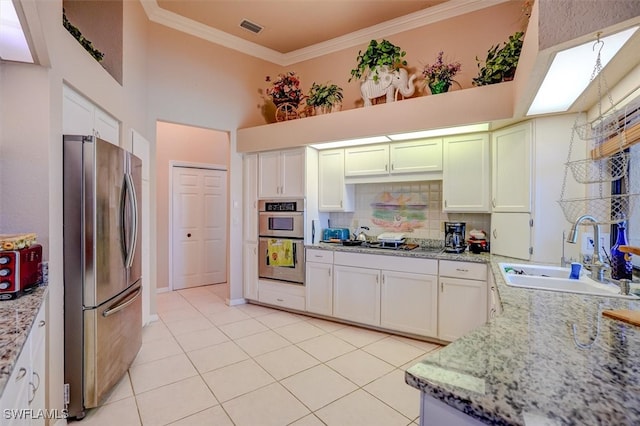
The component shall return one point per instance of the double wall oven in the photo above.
(281, 240)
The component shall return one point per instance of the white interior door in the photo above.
(199, 227)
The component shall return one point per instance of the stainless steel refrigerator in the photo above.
(102, 268)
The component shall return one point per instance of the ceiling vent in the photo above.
(250, 26)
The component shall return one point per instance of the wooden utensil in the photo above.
(630, 249)
(624, 315)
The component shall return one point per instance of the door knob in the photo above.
(189, 235)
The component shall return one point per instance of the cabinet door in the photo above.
(462, 306)
(466, 173)
(333, 194)
(269, 174)
(77, 113)
(356, 294)
(419, 156)
(511, 169)
(366, 160)
(106, 127)
(250, 200)
(410, 303)
(511, 235)
(292, 173)
(319, 288)
(250, 271)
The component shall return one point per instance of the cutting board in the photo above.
(630, 249)
(625, 315)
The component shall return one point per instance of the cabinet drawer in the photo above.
(389, 263)
(468, 270)
(319, 256)
(286, 295)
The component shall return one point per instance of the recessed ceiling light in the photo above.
(570, 73)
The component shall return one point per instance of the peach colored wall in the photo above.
(176, 142)
(461, 38)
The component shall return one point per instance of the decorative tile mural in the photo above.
(399, 211)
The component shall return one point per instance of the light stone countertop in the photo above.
(16, 319)
(526, 366)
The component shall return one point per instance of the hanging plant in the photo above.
(500, 64)
(377, 55)
(75, 32)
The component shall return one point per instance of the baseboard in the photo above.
(162, 290)
(151, 318)
(234, 302)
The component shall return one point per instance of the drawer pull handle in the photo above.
(462, 270)
(42, 323)
(21, 373)
(280, 300)
(318, 256)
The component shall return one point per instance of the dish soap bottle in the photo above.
(621, 266)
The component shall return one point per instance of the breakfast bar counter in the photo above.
(550, 358)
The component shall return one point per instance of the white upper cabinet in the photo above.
(281, 173)
(466, 173)
(511, 169)
(366, 160)
(417, 156)
(333, 194)
(81, 117)
(511, 235)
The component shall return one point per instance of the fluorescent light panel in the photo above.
(570, 73)
(481, 127)
(13, 43)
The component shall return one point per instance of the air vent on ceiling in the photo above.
(250, 26)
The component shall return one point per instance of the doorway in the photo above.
(198, 226)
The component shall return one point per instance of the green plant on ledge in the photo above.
(324, 97)
(377, 55)
(97, 55)
(501, 63)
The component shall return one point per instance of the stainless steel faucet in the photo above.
(597, 265)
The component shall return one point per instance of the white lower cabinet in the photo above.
(26, 387)
(356, 295)
(409, 303)
(462, 306)
(250, 271)
(319, 282)
(281, 294)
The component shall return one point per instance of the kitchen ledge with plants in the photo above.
(549, 358)
(17, 318)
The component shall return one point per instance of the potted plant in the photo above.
(323, 98)
(501, 63)
(378, 55)
(439, 75)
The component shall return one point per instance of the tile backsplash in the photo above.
(414, 208)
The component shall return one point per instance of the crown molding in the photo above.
(411, 21)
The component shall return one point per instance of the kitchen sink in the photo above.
(555, 278)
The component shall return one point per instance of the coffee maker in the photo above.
(454, 237)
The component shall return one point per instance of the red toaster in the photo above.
(20, 271)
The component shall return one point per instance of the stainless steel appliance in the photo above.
(454, 233)
(281, 240)
(20, 271)
(102, 268)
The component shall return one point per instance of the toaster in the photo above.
(20, 271)
(335, 234)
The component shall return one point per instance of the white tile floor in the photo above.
(205, 363)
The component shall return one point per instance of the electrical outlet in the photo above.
(587, 243)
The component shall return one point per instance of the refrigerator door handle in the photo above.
(133, 201)
(129, 299)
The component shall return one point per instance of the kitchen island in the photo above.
(550, 358)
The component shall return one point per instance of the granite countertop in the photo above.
(527, 366)
(423, 252)
(16, 319)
